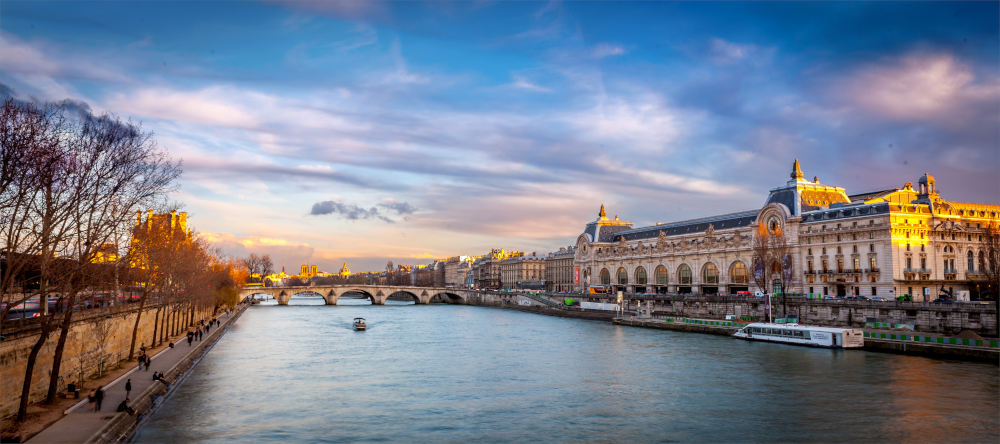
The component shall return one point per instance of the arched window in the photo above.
(640, 276)
(684, 274)
(710, 274)
(661, 275)
(971, 258)
(622, 276)
(738, 273)
(605, 277)
(982, 261)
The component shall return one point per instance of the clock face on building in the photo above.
(773, 223)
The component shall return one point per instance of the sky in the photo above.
(367, 131)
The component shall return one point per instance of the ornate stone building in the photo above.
(883, 243)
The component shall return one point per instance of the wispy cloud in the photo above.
(607, 50)
(521, 82)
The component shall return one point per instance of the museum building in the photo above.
(886, 243)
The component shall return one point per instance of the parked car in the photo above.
(943, 301)
(878, 299)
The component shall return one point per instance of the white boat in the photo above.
(829, 337)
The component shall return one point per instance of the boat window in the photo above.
(805, 335)
(798, 333)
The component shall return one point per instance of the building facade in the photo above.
(885, 243)
(559, 270)
(522, 272)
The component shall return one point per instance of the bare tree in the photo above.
(989, 264)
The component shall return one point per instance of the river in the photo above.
(452, 373)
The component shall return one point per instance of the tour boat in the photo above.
(829, 337)
(359, 324)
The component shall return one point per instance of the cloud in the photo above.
(607, 50)
(520, 82)
(400, 208)
(355, 212)
(923, 87)
(725, 52)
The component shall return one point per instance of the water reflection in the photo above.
(438, 373)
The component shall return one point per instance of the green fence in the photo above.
(935, 339)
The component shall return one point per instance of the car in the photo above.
(878, 299)
(943, 301)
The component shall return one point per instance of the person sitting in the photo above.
(124, 407)
(156, 376)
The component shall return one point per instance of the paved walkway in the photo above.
(79, 423)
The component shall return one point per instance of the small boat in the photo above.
(359, 324)
(829, 337)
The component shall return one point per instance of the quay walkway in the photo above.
(81, 425)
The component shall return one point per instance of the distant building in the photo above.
(156, 228)
(559, 270)
(344, 271)
(525, 272)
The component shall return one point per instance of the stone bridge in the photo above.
(378, 294)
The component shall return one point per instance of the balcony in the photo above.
(917, 270)
(872, 270)
(975, 275)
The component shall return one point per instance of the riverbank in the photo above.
(79, 424)
(907, 344)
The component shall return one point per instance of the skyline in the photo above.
(361, 132)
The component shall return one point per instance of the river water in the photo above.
(444, 373)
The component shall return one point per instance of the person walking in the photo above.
(149, 361)
(99, 398)
(128, 387)
(190, 337)
(92, 398)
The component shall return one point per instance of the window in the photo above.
(809, 265)
(971, 264)
(874, 291)
(872, 263)
(840, 265)
(739, 275)
(809, 251)
(839, 238)
(855, 248)
(826, 266)
(605, 277)
(907, 247)
(684, 274)
(640, 276)
(857, 264)
(661, 275)
(710, 274)
(824, 250)
(923, 263)
(921, 248)
(871, 248)
(622, 276)
(982, 261)
(909, 263)
(871, 235)
(839, 250)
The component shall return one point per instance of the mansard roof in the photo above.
(721, 222)
(871, 195)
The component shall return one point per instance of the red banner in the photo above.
(576, 275)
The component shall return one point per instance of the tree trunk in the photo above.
(156, 324)
(22, 409)
(50, 397)
(135, 328)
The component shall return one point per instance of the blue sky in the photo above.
(363, 131)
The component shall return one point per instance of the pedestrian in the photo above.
(199, 334)
(142, 360)
(190, 337)
(128, 387)
(149, 361)
(92, 398)
(99, 397)
(171, 345)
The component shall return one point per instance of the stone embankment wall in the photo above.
(82, 353)
(925, 317)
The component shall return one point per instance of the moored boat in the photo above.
(829, 337)
(359, 324)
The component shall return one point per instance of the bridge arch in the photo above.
(405, 295)
(447, 297)
(376, 299)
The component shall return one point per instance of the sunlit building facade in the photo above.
(886, 243)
